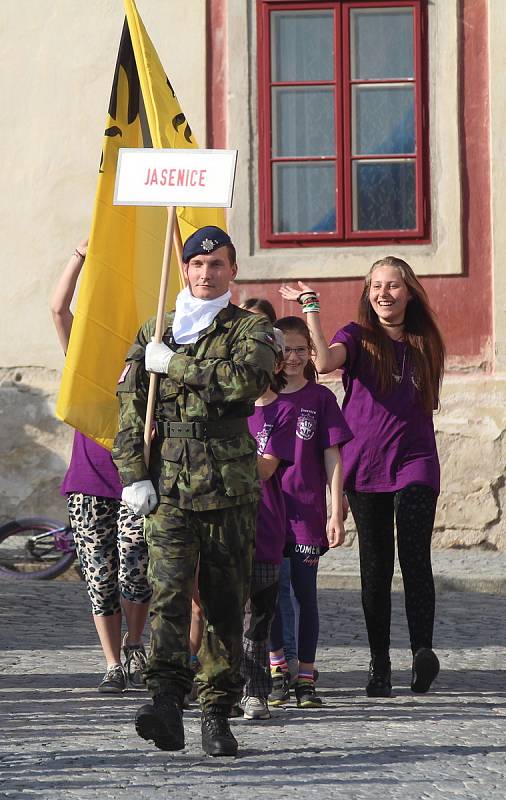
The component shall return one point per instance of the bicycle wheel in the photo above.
(35, 549)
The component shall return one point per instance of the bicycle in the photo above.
(35, 548)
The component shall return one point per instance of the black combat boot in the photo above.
(217, 738)
(380, 677)
(162, 722)
(425, 669)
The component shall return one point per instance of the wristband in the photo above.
(78, 254)
(313, 306)
(309, 295)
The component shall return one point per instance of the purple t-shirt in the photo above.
(273, 427)
(393, 441)
(320, 425)
(91, 470)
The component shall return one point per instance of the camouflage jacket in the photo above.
(215, 380)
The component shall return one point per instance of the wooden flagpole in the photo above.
(178, 244)
(160, 317)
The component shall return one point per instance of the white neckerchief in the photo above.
(193, 314)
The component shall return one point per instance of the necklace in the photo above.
(398, 378)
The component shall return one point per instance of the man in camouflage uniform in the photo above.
(202, 479)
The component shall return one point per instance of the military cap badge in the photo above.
(204, 241)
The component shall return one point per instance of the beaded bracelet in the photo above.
(78, 254)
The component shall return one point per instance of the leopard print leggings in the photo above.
(111, 549)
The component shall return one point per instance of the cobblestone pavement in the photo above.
(61, 739)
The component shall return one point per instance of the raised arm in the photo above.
(64, 292)
(327, 358)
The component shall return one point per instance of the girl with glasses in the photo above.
(321, 430)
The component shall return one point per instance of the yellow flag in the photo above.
(121, 275)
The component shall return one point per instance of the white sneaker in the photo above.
(255, 708)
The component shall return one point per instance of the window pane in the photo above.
(381, 43)
(304, 197)
(383, 119)
(303, 122)
(384, 195)
(302, 44)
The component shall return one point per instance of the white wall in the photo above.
(58, 59)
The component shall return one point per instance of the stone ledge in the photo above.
(442, 583)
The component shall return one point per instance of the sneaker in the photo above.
(425, 669)
(135, 663)
(217, 738)
(294, 674)
(293, 669)
(305, 692)
(161, 722)
(380, 679)
(255, 708)
(236, 711)
(114, 681)
(280, 694)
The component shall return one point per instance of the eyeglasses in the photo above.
(299, 351)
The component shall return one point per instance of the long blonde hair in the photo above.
(425, 346)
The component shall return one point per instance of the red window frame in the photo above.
(344, 233)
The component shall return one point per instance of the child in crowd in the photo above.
(109, 537)
(273, 426)
(289, 614)
(257, 305)
(321, 430)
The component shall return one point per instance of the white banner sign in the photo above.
(151, 177)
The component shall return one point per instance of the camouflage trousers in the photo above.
(224, 540)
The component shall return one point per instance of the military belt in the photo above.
(212, 429)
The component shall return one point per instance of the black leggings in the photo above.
(414, 508)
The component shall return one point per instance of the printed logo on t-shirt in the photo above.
(263, 437)
(306, 424)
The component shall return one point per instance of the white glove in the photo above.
(157, 357)
(140, 497)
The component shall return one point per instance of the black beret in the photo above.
(204, 241)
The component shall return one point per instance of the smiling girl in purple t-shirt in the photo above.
(321, 430)
(392, 363)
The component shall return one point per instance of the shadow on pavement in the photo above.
(287, 767)
(463, 620)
